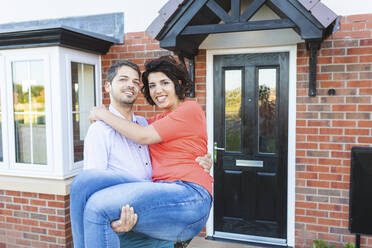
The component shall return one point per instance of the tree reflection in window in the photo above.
(233, 99)
(267, 110)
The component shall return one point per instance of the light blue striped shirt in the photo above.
(105, 148)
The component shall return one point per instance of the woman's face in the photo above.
(162, 91)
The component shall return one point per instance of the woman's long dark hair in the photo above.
(175, 71)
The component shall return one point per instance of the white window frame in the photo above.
(4, 113)
(12, 165)
(83, 58)
(58, 110)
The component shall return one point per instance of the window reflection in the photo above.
(267, 110)
(83, 99)
(233, 97)
(29, 111)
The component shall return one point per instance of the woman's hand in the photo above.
(96, 113)
(127, 221)
(206, 162)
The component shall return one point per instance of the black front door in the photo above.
(250, 139)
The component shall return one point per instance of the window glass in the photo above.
(233, 99)
(29, 111)
(267, 110)
(83, 99)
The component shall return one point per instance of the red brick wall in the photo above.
(138, 48)
(327, 128)
(34, 220)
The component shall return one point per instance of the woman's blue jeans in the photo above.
(173, 211)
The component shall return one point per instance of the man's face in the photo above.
(125, 86)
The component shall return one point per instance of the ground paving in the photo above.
(200, 242)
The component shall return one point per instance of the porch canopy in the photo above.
(182, 25)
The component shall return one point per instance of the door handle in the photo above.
(215, 149)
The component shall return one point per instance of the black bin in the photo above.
(360, 215)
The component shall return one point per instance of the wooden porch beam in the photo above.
(313, 46)
(191, 70)
(238, 27)
(235, 10)
(307, 29)
(219, 11)
(251, 10)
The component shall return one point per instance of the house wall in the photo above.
(327, 128)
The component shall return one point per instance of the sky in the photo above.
(138, 13)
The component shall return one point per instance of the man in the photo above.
(105, 148)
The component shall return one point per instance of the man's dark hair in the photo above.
(175, 71)
(111, 73)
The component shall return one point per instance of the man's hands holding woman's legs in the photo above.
(127, 221)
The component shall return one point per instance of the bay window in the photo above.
(50, 78)
(48, 96)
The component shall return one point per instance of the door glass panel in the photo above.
(233, 99)
(267, 110)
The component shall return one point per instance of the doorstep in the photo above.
(201, 242)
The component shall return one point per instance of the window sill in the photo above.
(36, 185)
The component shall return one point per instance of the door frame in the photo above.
(291, 183)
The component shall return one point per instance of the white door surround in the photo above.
(292, 50)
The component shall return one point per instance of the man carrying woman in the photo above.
(175, 206)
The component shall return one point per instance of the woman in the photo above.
(176, 205)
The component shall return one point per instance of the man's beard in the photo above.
(125, 100)
(122, 99)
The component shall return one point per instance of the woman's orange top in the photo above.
(184, 135)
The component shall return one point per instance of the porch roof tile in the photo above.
(320, 11)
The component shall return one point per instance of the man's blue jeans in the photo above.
(83, 186)
(137, 240)
(171, 211)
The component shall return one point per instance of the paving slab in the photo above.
(200, 242)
